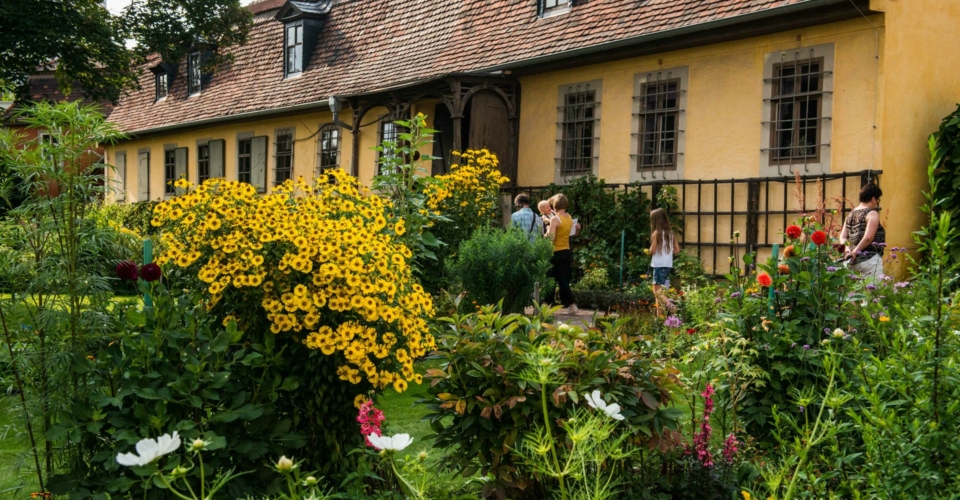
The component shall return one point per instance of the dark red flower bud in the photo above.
(127, 270)
(150, 272)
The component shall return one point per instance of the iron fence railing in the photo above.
(760, 208)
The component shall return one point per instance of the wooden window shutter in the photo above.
(120, 168)
(180, 163)
(143, 177)
(216, 158)
(258, 163)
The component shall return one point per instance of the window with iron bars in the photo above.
(284, 156)
(203, 163)
(389, 132)
(244, 160)
(169, 171)
(659, 124)
(328, 147)
(796, 111)
(578, 114)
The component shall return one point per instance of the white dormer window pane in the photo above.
(553, 5)
(193, 72)
(294, 49)
(161, 82)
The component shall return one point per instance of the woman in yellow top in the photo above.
(559, 232)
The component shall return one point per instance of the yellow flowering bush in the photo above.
(323, 262)
(469, 191)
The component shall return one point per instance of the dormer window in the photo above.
(161, 84)
(553, 7)
(294, 49)
(193, 73)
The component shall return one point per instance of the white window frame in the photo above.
(194, 72)
(161, 81)
(771, 60)
(550, 8)
(297, 46)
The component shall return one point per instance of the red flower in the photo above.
(691, 331)
(150, 272)
(127, 270)
(783, 269)
(818, 238)
(764, 279)
(794, 231)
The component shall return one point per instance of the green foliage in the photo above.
(89, 44)
(944, 146)
(603, 213)
(174, 28)
(485, 405)
(52, 258)
(402, 178)
(594, 279)
(608, 300)
(171, 368)
(496, 265)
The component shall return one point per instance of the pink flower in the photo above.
(370, 420)
(730, 448)
(701, 440)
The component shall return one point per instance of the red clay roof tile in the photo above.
(371, 45)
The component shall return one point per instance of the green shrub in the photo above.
(594, 279)
(171, 368)
(495, 265)
(484, 405)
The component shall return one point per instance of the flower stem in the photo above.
(553, 447)
(172, 489)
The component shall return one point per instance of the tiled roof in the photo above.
(371, 45)
(44, 87)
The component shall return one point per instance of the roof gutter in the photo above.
(671, 33)
(796, 8)
(218, 120)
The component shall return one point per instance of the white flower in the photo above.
(596, 401)
(285, 464)
(150, 450)
(839, 333)
(395, 443)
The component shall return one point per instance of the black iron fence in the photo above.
(759, 209)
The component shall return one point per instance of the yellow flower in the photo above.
(884, 319)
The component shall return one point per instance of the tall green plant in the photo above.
(944, 147)
(56, 310)
(402, 178)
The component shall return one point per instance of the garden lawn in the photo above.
(403, 415)
(15, 481)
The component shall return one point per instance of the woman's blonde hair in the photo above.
(558, 201)
(659, 222)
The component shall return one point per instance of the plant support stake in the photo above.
(147, 258)
(623, 242)
(776, 250)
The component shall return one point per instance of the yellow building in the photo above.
(725, 100)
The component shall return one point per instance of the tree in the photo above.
(87, 46)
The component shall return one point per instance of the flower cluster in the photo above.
(470, 189)
(370, 420)
(323, 262)
(701, 440)
(730, 448)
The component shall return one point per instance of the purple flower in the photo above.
(855, 277)
(805, 259)
(672, 322)
(801, 408)
(735, 295)
(766, 347)
(826, 330)
(871, 287)
(717, 300)
(902, 284)
(831, 269)
(806, 347)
